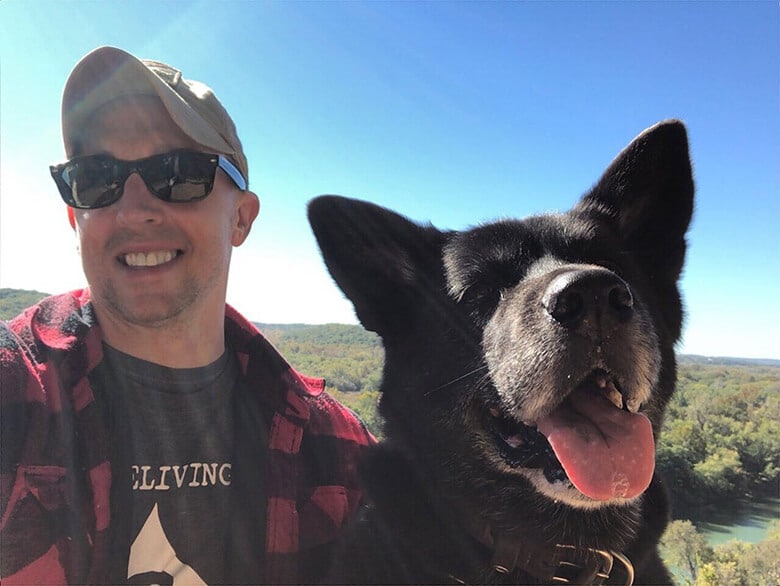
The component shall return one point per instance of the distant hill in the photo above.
(347, 334)
(348, 357)
(13, 301)
(725, 360)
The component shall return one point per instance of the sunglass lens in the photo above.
(180, 176)
(93, 182)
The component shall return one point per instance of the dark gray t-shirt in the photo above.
(174, 431)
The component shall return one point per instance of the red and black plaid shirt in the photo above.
(55, 441)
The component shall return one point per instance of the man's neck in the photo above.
(176, 343)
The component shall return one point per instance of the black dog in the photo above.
(527, 367)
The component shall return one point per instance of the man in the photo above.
(150, 434)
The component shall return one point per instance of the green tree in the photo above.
(685, 549)
(719, 472)
(734, 563)
(773, 531)
(680, 447)
(719, 574)
(721, 435)
(761, 563)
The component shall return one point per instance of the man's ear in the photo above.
(247, 209)
(71, 218)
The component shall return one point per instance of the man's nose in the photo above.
(138, 204)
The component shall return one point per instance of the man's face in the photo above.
(147, 261)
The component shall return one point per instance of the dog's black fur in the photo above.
(494, 326)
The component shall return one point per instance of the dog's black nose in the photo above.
(592, 300)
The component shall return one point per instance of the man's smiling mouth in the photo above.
(148, 259)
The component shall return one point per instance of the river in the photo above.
(747, 521)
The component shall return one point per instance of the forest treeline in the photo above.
(348, 357)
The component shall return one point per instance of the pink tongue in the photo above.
(605, 451)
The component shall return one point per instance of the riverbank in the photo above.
(742, 519)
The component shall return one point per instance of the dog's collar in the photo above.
(556, 564)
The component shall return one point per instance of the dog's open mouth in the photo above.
(596, 438)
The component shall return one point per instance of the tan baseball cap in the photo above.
(108, 73)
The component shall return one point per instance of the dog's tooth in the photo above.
(614, 397)
(610, 392)
(514, 441)
(633, 405)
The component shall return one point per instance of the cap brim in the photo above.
(108, 73)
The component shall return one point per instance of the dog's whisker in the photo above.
(456, 380)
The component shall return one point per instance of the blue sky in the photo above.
(449, 112)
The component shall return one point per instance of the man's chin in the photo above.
(148, 310)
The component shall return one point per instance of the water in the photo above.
(746, 521)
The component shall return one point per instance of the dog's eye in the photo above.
(482, 295)
(481, 302)
(478, 294)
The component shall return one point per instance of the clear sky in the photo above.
(449, 112)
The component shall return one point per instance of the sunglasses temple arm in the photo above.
(232, 172)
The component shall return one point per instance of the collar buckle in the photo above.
(587, 565)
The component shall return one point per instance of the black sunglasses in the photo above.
(180, 176)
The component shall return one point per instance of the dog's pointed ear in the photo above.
(381, 260)
(647, 193)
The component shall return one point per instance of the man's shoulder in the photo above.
(54, 323)
(55, 319)
(332, 418)
(13, 365)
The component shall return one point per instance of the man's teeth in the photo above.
(149, 259)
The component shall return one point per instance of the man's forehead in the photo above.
(134, 118)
